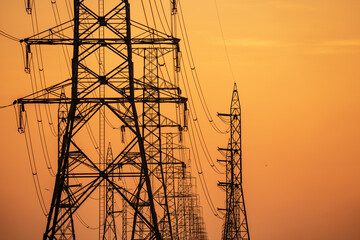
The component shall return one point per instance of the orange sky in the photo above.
(296, 64)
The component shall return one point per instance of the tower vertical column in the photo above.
(102, 79)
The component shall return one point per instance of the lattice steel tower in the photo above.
(116, 74)
(235, 226)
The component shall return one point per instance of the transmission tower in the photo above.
(115, 74)
(235, 226)
(109, 224)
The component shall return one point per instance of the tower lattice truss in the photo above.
(139, 187)
(235, 226)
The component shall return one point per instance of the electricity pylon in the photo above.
(236, 225)
(109, 224)
(115, 69)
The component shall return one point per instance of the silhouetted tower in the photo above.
(66, 230)
(129, 89)
(109, 223)
(170, 171)
(235, 226)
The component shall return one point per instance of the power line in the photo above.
(158, 13)
(33, 167)
(4, 34)
(201, 173)
(194, 73)
(5, 106)
(40, 125)
(194, 118)
(166, 20)
(223, 39)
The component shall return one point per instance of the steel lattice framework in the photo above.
(129, 86)
(235, 226)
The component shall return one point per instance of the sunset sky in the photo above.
(297, 67)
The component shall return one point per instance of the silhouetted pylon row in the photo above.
(141, 185)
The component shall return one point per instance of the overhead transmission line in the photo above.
(199, 169)
(194, 73)
(197, 161)
(193, 117)
(194, 123)
(223, 40)
(152, 13)
(40, 67)
(193, 113)
(34, 83)
(166, 20)
(196, 126)
(5, 106)
(33, 167)
(4, 34)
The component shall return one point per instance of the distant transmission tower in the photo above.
(116, 69)
(236, 225)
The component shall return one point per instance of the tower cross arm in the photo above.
(92, 100)
(57, 32)
(224, 149)
(224, 114)
(49, 40)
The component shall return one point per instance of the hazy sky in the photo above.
(297, 66)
